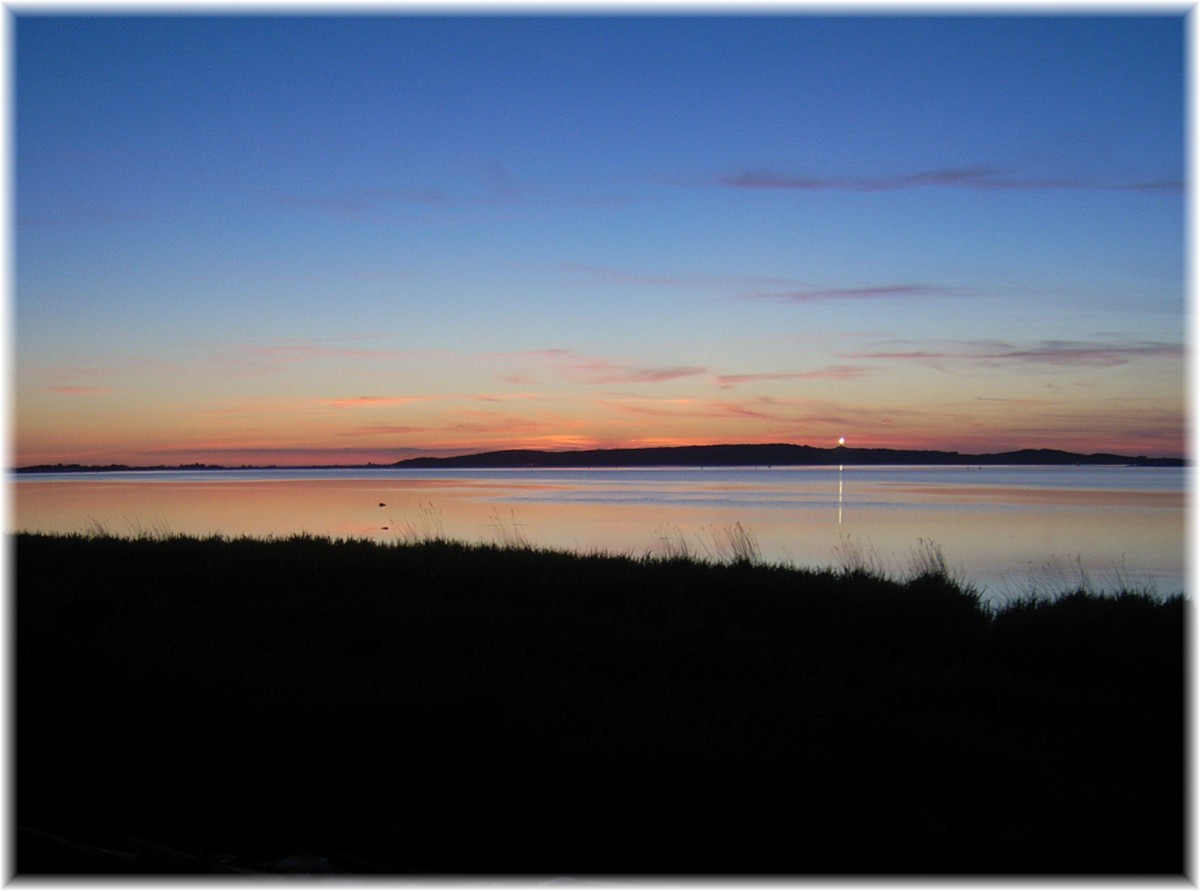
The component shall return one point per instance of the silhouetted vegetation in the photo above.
(433, 707)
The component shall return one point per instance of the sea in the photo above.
(1007, 530)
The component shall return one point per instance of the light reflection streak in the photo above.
(839, 495)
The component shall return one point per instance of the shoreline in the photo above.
(734, 546)
(760, 455)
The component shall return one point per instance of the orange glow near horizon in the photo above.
(299, 417)
(265, 452)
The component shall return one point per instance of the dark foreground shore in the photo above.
(186, 705)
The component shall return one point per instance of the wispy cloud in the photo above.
(790, 418)
(815, 295)
(477, 422)
(1121, 425)
(1082, 353)
(951, 177)
(367, 402)
(661, 408)
(831, 373)
(1055, 353)
(758, 408)
(612, 373)
(378, 430)
(590, 370)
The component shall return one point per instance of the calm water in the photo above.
(1003, 528)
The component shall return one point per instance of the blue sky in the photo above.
(308, 238)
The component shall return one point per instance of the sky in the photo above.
(339, 239)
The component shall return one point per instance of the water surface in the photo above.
(1004, 528)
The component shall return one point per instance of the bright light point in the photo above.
(841, 441)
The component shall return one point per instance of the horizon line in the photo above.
(450, 454)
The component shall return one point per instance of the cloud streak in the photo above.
(817, 295)
(789, 418)
(368, 402)
(1053, 353)
(595, 371)
(381, 430)
(832, 373)
(978, 178)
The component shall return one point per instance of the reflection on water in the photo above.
(1000, 527)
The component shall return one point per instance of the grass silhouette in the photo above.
(433, 707)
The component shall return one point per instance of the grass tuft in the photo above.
(507, 533)
(859, 559)
(736, 545)
(426, 527)
(671, 545)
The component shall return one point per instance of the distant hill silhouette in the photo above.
(770, 454)
(754, 455)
